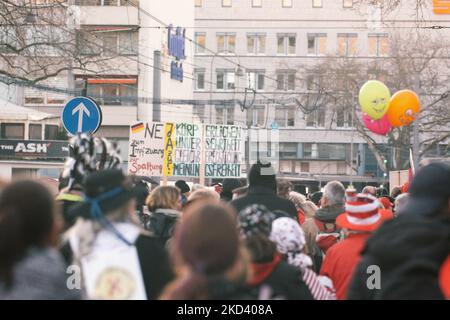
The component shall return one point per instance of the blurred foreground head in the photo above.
(429, 192)
(262, 175)
(206, 243)
(27, 219)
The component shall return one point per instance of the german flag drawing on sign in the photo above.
(137, 127)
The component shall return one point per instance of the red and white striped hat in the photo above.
(362, 212)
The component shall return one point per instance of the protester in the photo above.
(207, 248)
(184, 189)
(361, 218)
(107, 243)
(284, 187)
(321, 232)
(164, 206)
(267, 266)
(262, 190)
(396, 191)
(316, 197)
(30, 266)
(400, 201)
(228, 185)
(411, 249)
(290, 240)
(370, 190)
(298, 199)
(201, 196)
(240, 192)
(66, 199)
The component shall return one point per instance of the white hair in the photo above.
(334, 192)
(400, 202)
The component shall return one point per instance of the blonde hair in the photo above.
(308, 208)
(296, 198)
(163, 197)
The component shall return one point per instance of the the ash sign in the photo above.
(33, 149)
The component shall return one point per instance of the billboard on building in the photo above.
(33, 149)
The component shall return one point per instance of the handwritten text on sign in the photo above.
(175, 149)
(223, 146)
(182, 150)
(146, 149)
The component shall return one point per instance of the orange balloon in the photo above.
(403, 108)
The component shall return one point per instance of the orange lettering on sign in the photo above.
(441, 6)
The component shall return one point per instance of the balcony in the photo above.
(108, 15)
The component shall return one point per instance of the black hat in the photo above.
(183, 186)
(429, 190)
(109, 189)
(262, 175)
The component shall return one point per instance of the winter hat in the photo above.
(207, 238)
(429, 190)
(262, 175)
(228, 185)
(255, 219)
(183, 186)
(290, 240)
(362, 212)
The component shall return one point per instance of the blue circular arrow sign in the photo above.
(81, 115)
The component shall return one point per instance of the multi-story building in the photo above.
(265, 45)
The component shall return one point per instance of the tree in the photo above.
(416, 61)
(40, 41)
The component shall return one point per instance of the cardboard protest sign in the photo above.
(146, 149)
(223, 149)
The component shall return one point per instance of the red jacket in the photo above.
(341, 260)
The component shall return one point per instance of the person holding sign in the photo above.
(118, 260)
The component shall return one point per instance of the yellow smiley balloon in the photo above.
(374, 99)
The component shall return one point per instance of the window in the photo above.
(51, 132)
(225, 115)
(34, 100)
(286, 3)
(378, 45)
(256, 3)
(313, 82)
(256, 43)
(317, 3)
(348, 3)
(35, 132)
(226, 43)
(226, 3)
(200, 40)
(106, 2)
(255, 80)
(332, 151)
(344, 118)
(317, 44)
(112, 91)
(307, 150)
(286, 80)
(288, 150)
(225, 80)
(108, 43)
(200, 79)
(316, 118)
(198, 3)
(128, 43)
(286, 44)
(347, 44)
(256, 116)
(285, 117)
(13, 130)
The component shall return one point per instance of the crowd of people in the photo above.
(109, 236)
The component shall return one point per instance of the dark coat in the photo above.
(161, 223)
(267, 197)
(409, 251)
(286, 282)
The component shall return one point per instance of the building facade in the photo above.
(261, 51)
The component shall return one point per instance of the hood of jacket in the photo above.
(329, 214)
(410, 238)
